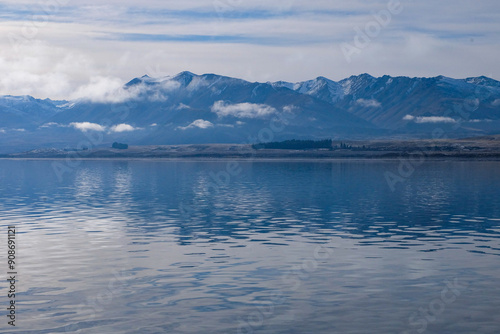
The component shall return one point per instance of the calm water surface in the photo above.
(277, 247)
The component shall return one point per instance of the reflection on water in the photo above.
(281, 247)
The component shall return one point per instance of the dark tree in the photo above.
(119, 146)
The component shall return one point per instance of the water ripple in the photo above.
(288, 247)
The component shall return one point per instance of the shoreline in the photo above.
(285, 157)
(478, 148)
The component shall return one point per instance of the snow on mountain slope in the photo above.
(321, 87)
(190, 108)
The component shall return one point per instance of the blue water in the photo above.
(252, 247)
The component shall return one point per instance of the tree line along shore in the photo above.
(478, 147)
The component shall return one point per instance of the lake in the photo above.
(252, 246)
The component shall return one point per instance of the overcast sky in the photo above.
(65, 49)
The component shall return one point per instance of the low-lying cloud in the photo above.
(51, 124)
(199, 123)
(9, 130)
(429, 119)
(122, 128)
(480, 120)
(368, 103)
(112, 90)
(242, 110)
(102, 89)
(87, 126)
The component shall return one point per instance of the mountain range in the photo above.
(189, 108)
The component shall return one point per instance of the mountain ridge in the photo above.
(190, 108)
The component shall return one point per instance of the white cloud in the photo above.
(123, 128)
(154, 124)
(104, 89)
(40, 69)
(242, 110)
(109, 89)
(435, 119)
(52, 124)
(182, 106)
(199, 123)
(480, 120)
(87, 126)
(496, 103)
(86, 45)
(157, 96)
(17, 130)
(368, 103)
(289, 109)
(197, 83)
(429, 119)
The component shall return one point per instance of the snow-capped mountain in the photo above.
(391, 102)
(25, 111)
(321, 87)
(209, 108)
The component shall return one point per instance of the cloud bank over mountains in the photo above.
(66, 50)
(242, 110)
(88, 126)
